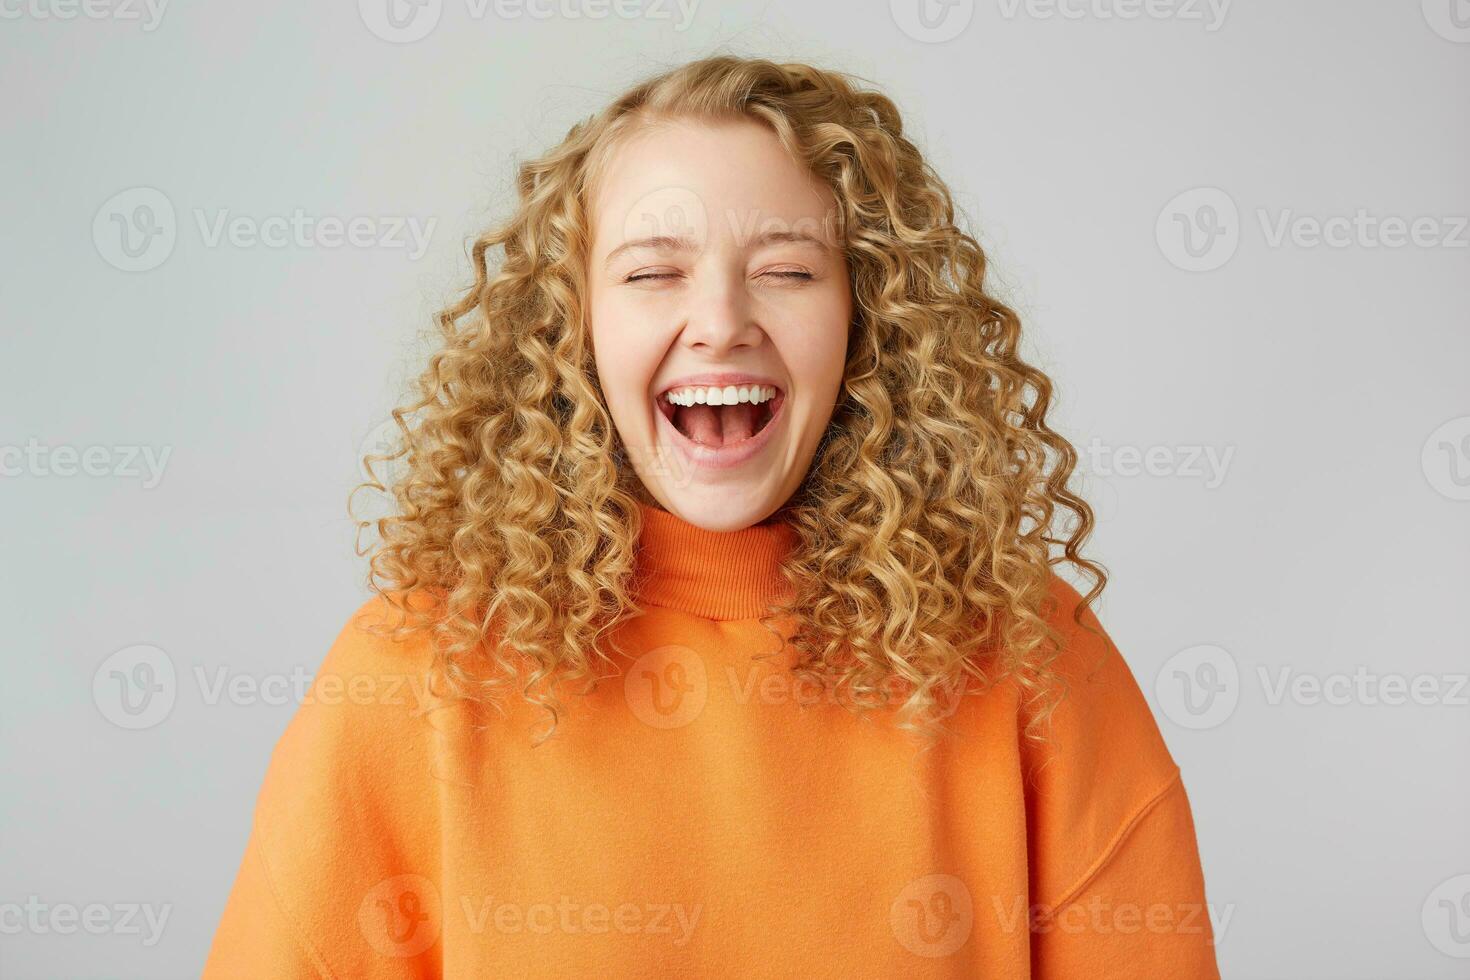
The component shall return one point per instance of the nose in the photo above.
(719, 319)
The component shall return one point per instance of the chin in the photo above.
(720, 508)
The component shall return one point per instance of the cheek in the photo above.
(814, 347)
(627, 351)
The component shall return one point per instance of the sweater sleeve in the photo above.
(256, 938)
(1143, 913)
(337, 878)
(1117, 885)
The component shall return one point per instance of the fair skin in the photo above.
(715, 268)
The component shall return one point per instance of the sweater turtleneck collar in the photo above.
(718, 575)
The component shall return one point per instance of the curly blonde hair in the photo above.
(924, 526)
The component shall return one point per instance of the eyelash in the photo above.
(786, 274)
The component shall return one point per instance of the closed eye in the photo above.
(783, 274)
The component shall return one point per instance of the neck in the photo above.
(718, 575)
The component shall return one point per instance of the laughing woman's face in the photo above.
(720, 304)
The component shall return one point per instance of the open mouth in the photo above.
(702, 416)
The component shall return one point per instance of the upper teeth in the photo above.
(728, 395)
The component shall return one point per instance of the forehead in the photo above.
(706, 181)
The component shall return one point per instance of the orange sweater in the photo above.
(689, 818)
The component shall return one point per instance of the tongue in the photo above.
(713, 425)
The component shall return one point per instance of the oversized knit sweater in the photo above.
(691, 817)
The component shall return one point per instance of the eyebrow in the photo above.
(680, 243)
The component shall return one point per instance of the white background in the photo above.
(1332, 535)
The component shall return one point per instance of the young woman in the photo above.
(716, 631)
